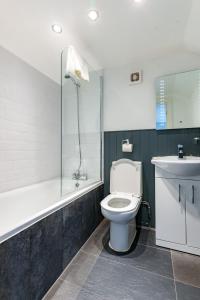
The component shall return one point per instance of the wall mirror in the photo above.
(178, 100)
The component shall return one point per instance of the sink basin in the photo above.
(187, 166)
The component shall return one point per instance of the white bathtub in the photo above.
(23, 207)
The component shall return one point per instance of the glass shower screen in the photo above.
(81, 130)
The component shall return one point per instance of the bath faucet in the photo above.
(180, 151)
(78, 176)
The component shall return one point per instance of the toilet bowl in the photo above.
(122, 205)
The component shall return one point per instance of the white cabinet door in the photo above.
(193, 213)
(170, 210)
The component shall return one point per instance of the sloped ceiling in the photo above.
(126, 31)
(192, 31)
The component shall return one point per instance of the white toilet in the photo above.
(122, 205)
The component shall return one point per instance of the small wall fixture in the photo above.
(126, 146)
(93, 15)
(136, 77)
(196, 140)
(56, 28)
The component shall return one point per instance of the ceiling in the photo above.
(126, 31)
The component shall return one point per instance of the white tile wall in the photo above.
(29, 124)
(90, 147)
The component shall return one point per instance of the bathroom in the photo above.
(100, 150)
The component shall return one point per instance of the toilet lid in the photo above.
(126, 177)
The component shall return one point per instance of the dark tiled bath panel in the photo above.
(32, 260)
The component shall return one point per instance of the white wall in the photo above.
(133, 107)
(29, 124)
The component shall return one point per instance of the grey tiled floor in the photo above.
(147, 273)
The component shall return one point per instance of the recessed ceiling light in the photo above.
(56, 28)
(137, 1)
(93, 15)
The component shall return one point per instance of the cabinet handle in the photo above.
(179, 193)
(193, 194)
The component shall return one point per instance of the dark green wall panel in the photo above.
(146, 144)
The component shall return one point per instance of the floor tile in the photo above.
(147, 258)
(95, 274)
(112, 280)
(79, 269)
(84, 295)
(62, 291)
(187, 292)
(94, 245)
(146, 237)
(186, 268)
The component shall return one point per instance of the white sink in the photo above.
(187, 166)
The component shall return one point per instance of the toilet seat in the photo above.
(121, 202)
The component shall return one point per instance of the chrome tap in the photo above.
(180, 151)
(79, 176)
(76, 175)
(196, 140)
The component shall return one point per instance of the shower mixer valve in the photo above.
(79, 176)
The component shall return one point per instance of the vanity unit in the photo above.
(177, 196)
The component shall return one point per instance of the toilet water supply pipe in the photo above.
(147, 205)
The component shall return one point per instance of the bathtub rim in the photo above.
(63, 202)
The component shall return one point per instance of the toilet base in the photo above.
(122, 236)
